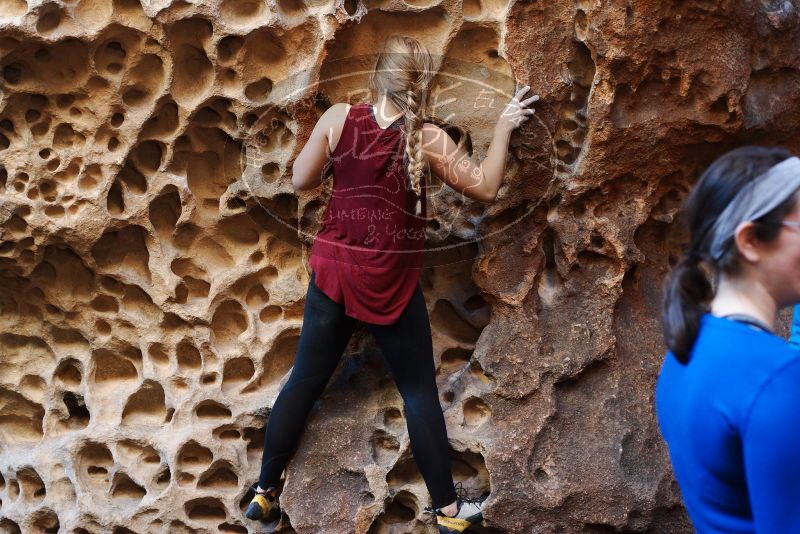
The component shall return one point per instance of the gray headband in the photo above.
(760, 196)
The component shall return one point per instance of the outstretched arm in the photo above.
(771, 439)
(478, 180)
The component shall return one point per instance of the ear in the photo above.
(749, 246)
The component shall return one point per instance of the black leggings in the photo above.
(407, 347)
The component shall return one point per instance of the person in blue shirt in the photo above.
(728, 395)
(794, 337)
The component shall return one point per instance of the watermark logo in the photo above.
(371, 199)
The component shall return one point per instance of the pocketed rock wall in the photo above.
(153, 263)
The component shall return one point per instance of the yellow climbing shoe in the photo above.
(263, 506)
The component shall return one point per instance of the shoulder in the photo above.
(778, 396)
(337, 111)
(729, 361)
(331, 123)
(743, 348)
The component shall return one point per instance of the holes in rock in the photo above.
(550, 280)
(165, 210)
(158, 355)
(470, 468)
(94, 463)
(351, 7)
(236, 373)
(193, 455)
(102, 327)
(476, 370)
(13, 489)
(145, 406)
(227, 433)
(209, 409)
(404, 472)
(401, 510)
(20, 418)
(205, 509)
(68, 373)
(125, 489)
(258, 91)
(8, 526)
(255, 444)
(132, 180)
(78, 413)
(384, 447)
(179, 384)
(163, 478)
(228, 322)
(447, 319)
(476, 412)
(188, 356)
(124, 252)
(185, 479)
(208, 379)
(110, 370)
(194, 73)
(45, 520)
(147, 156)
(291, 8)
(162, 124)
(144, 81)
(270, 172)
(393, 418)
(581, 24)
(115, 203)
(219, 476)
(228, 48)
(270, 314)
(229, 528)
(32, 488)
(472, 8)
(454, 358)
(257, 296)
(242, 12)
(278, 359)
(136, 453)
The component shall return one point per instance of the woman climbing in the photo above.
(366, 261)
(728, 395)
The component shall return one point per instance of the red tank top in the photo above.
(368, 252)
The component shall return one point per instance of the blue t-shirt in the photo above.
(794, 338)
(731, 420)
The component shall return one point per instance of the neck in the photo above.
(746, 296)
(386, 110)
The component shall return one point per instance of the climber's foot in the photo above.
(264, 505)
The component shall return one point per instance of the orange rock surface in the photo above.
(153, 254)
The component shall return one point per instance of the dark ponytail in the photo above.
(688, 289)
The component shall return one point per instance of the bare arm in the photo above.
(478, 180)
(307, 167)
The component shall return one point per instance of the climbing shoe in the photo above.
(263, 506)
(470, 512)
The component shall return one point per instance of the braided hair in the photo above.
(403, 72)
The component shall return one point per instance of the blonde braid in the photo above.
(414, 154)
